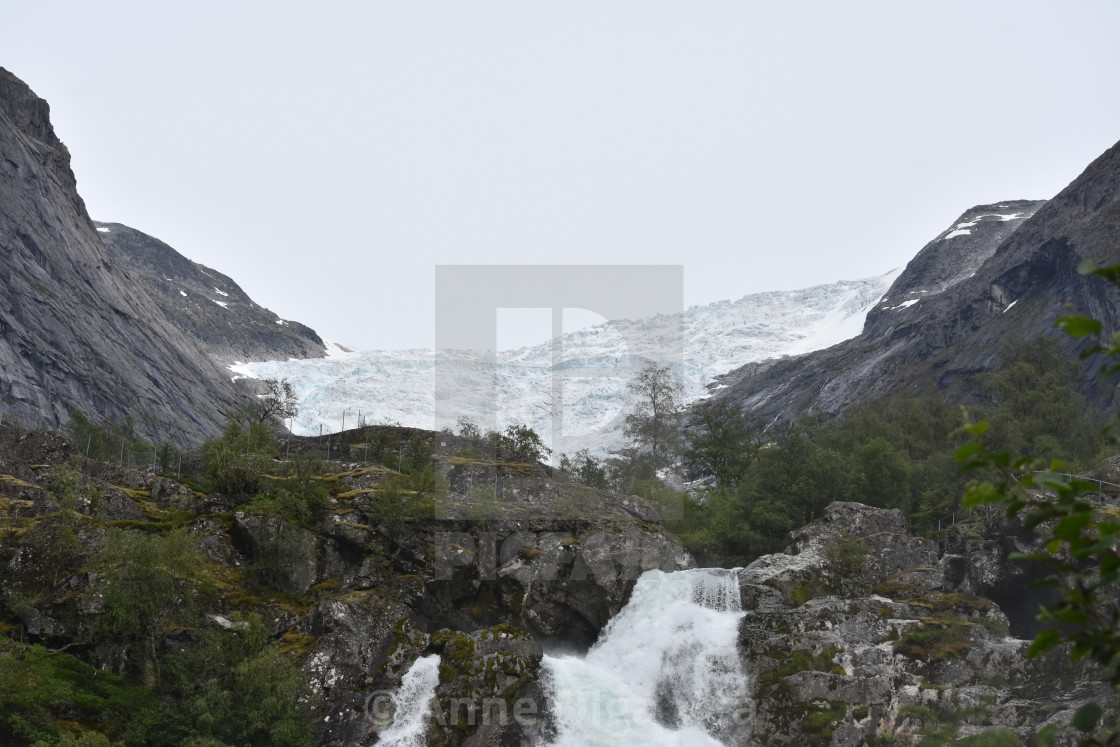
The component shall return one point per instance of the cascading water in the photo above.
(411, 705)
(665, 671)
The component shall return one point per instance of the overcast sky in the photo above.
(327, 156)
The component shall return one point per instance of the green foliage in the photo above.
(585, 468)
(483, 504)
(993, 738)
(39, 689)
(239, 687)
(301, 496)
(1035, 405)
(234, 462)
(878, 475)
(55, 537)
(653, 425)
(520, 443)
(720, 444)
(407, 497)
(937, 640)
(149, 582)
(417, 454)
(893, 453)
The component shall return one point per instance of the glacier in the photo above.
(398, 386)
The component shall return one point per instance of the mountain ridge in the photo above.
(79, 329)
(207, 304)
(1028, 279)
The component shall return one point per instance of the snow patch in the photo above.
(183, 294)
(221, 292)
(223, 304)
(962, 229)
(1010, 305)
(102, 229)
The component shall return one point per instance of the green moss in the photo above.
(331, 584)
(297, 644)
(939, 639)
(799, 660)
(9, 480)
(818, 724)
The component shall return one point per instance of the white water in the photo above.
(665, 671)
(411, 705)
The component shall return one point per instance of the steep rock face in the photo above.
(362, 598)
(204, 304)
(77, 330)
(916, 339)
(949, 259)
(918, 648)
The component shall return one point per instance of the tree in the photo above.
(878, 475)
(234, 462)
(654, 424)
(521, 443)
(720, 443)
(585, 468)
(277, 403)
(150, 582)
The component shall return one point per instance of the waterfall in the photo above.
(411, 701)
(665, 671)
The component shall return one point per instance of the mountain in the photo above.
(205, 304)
(988, 279)
(398, 385)
(84, 327)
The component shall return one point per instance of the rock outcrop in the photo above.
(861, 632)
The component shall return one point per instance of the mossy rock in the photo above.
(938, 639)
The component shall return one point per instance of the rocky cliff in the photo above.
(103, 319)
(510, 556)
(990, 278)
(205, 305)
(860, 633)
(78, 331)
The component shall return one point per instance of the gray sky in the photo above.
(328, 156)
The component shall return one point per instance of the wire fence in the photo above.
(987, 509)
